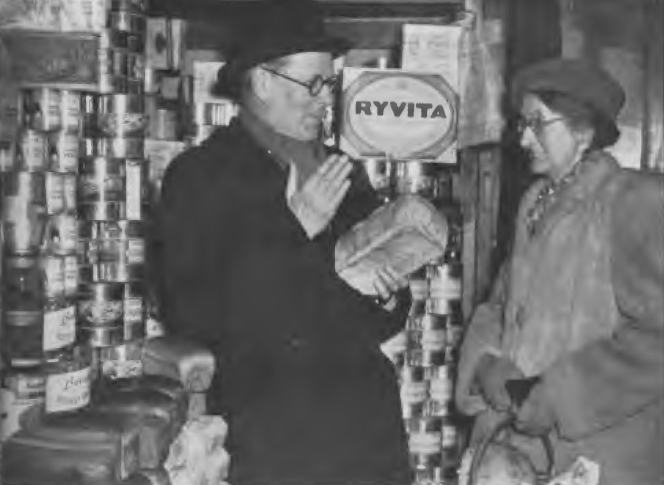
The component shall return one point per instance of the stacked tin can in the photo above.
(208, 116)
(112, 198)
(47, 367)
(424, 353)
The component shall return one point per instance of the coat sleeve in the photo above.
(613, 378)
(482, 336)
(188, 249)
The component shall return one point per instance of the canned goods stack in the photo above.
(425, 352)
(112, 200)
(207, 116)
(73, 201)
(39, 263)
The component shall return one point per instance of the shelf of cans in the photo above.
(73, 187)
(207, 117)
(425, 352)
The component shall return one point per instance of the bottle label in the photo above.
(58, 333)
(68, 391)
(54, 270)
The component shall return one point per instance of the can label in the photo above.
(67, 391)
(71, 111)
(135, 251)
(34, 148)
(134, 189)
(100, 188)
(71, 274)
(101, 313)
(67, 149)
(433, 340)
(55, 194)
(58, 332)
(69, 191)
(67, 227)
(449, 436)
(43, 109)
(54, 273)
(414, 392)
(133, 310)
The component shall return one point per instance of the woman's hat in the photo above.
(281, 28)
(582, 81)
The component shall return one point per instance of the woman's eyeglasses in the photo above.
(315, 85)
(537, 125)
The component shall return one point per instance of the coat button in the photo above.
(295, 343)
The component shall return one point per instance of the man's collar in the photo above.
(284, 149)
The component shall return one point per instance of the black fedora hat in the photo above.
(580, 80)
(279, 29)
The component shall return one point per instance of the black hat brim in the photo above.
(229, 77)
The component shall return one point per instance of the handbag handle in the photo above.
(503, 424)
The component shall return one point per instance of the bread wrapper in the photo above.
(582, 472)
(190, 364)
(404, 234)
(197, 455)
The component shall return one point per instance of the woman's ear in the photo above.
(584, 137)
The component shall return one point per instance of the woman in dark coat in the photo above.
(245, 235)
(572, 340)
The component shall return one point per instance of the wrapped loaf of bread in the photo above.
(85, 448)
(179, 359)
(404, 235)
(165, 385)
(154, 416)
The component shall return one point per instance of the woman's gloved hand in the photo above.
(491, 375)
(534, 414)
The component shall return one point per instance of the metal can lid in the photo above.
(101, 291)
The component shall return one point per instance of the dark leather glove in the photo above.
(519, 389)
(534, 413)
(491, 376)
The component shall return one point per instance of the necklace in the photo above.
(547, 196)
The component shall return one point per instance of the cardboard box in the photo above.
(61, 60)
(398, 115)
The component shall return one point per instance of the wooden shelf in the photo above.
(210, 9)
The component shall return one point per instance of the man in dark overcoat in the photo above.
(245, 236)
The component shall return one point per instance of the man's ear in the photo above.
(261, 81)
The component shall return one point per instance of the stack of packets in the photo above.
(197, 455)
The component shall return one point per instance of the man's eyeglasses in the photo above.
(315, 86)
(535, 124)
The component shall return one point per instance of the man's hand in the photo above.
(387, 284)
(317, 201)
